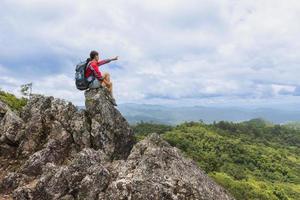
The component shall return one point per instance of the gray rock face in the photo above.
(8, 126)
(108, 126)
(54, 151)
(155, 170)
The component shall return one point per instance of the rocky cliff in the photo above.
(51, 150)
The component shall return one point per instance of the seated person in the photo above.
(94, 75)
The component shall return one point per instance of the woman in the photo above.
(95, 77)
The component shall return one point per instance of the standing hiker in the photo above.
(95, 77)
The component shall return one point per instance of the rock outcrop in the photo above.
(52, 150)
(108, 128)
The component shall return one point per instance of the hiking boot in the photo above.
(113, 101)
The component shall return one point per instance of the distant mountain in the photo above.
(174, 115)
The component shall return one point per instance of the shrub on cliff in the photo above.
(12, 101)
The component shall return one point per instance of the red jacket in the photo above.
(93, 69)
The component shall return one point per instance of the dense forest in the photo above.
(253, 159)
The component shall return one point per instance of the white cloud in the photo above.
(169, 50)
(59, 86)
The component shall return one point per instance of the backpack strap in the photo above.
(88, 65)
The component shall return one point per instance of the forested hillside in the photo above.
(253, 159)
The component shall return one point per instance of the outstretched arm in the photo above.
(102, 62)
(115, 58)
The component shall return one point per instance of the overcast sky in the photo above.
(202, 52)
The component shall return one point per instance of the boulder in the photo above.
(10, 125)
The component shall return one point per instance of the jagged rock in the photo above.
(80, 129)
(84, 177)
(56, 150)
(155, 170)
(9, 127)
(11, 181)
(3, 109)
(109, 129)
(40, 115)
(59, 152)
(22, 194)
(10, 123)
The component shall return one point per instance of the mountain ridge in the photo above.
(175, 115)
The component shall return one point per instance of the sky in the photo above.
(171, 52)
